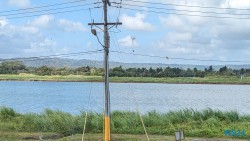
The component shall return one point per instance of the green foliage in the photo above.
(49, 121)
(94, 122)
(16, 67)
(44, 70)
(205, 123)
(61, 122)
(12, 67)
(223, 69)
(125, 122)
(7, 113)
(83, 70)
(158, 72)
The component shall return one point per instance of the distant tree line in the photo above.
(17, 67)
(12, 67)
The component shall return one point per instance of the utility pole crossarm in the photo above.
(106, 66)
(117, 23)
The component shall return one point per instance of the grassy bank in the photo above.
(81, 78)
(207, 123)
(23, 136)
(32, 77)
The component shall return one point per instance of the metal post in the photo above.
(106, 69)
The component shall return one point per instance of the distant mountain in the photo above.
(72, 63)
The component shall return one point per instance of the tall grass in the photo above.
(205, 123)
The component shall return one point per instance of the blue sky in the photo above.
(169, 35)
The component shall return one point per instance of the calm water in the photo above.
(74, 97)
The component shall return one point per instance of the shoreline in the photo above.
(215, 83)
(215, 80)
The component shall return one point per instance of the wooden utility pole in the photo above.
(106, 68)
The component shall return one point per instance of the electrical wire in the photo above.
(52, 13)
(119, 13)
(135, 101)
(181, 5)
(130, 87)
(90, 15)
(185, 59)
(181, 14)
(89, 97)
(57, 4)
(196, 11)
(68, 7)
(50, 56)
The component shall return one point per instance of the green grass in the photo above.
(81, 78)
(31, 77)
(207, 123)
(23, 136)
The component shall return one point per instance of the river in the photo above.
(74, 97)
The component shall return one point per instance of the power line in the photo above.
(143, 55)
(137, 107)
(52, 13)
(181, 14)
(172, 58)
(120, 5)
(196, 11)
(181, 5)
(47, 10)
(50, 56)
(57, 4)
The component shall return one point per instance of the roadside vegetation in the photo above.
(207, 123)
(14, 70)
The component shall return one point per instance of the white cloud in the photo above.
(71, 25)
(44, 46)
(231, 29)
(177, 37)
(136, 22)
(32, 39)
(25, 40)
(172, 22)
(47, 21)
(196, 20)
(42, 21)
(178, 43)
(182, 23)
(177, 23)
(3, 21)
(19, 3)
(206, 38)
(128, 41)
(183, 50)
(198, 2)
(89, 44)
(14, 39)
(237, 3)
(29, 29)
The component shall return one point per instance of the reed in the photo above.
(204, 123)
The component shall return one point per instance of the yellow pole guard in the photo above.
(107, 129)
